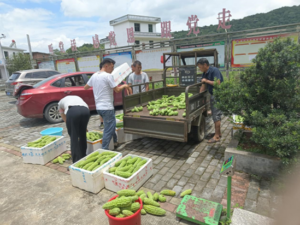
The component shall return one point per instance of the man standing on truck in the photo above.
(138, 77)
(104, 87)
(209, 77)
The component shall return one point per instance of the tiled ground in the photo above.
(177, 166)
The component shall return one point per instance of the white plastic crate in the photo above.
(92, 181)
(115, 183)
(238, 125)
(47, 153)
(95, 145)
(124, 137)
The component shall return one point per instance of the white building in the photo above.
(6, 53)
(144, 30)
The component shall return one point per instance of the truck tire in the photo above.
(52, 114)
(199, 132)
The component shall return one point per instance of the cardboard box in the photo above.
(95, 145)
(47, 153)
(115, 183)
(92, 181)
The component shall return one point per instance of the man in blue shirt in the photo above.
(209, 77)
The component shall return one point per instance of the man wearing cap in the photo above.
(104, 87)
(76, 114)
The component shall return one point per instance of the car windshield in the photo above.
(14, 76)
(44, 81)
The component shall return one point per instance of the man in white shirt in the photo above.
(76, 114)
(138, 77)
(104, 87)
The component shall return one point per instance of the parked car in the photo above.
(40, 100)
(29, 77)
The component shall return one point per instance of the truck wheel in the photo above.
(52, 114)
(199, 132)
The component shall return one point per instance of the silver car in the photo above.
(29, 77)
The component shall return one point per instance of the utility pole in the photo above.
(4, 60)
(30, 52)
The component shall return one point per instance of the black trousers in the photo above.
(77, 121)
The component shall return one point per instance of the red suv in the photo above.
(40, 100)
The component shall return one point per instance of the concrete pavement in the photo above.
(35, 194)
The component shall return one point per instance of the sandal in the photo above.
(211, 141)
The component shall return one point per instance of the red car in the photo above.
(40, 100)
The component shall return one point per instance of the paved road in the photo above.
(177, 166)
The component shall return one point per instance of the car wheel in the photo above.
(52, 114)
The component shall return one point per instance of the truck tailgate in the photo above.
(168, 128)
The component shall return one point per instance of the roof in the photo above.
(39, 53)
(9, 48)
(206, 52)
(129, 17)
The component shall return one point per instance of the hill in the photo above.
(281, 16)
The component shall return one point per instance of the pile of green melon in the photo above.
(166, 106)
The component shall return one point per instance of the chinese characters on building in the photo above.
(130, 35)
(61, 47)
(192, 24)
(166, 29)
(50, 49)
(96, 41)
(73, 45)
(224, 17)
(112, 38)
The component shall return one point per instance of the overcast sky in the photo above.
(51, 21)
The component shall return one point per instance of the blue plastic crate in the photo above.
(57, 131)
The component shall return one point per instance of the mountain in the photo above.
(281, 16)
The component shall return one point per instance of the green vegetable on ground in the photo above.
(168, 192)
(186, 192)
(154, 210)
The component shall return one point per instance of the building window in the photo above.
(162, 44)
(150, 28)
(137, 27)
(137, 42)
(151, 44)
(6, 54)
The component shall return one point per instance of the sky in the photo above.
(52, 21)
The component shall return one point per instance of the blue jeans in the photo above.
(109, 132)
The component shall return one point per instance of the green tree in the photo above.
(57, 52)
(17, 62)
(267, 95)
(84, 48)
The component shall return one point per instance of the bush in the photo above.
(267, 95)
(18, 62)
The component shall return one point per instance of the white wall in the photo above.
(143, 26)
(121, 33)
(10, 51)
